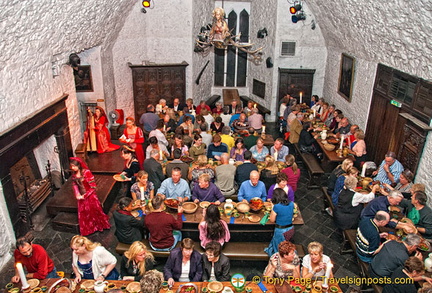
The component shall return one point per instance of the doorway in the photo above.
(294, 82)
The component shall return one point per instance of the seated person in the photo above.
(176, 105)
(34, 259)
(347, 212)
(201, 167)
(175, 187)
(419, 213)
(190, 107)
(164, 228)
(389, 171)
(226, 116)
(212, 228)
(237, 152)
(199, 120)
(248, 109)
(307, 143)
(217, 125)
(402, 279)
(179, 144)
(240, 125)
(169, 121)
(259, 151)
(340, 181)
(281, 182)
(151, 281)
(205, 190)
(250, 139)
(292, 171)
(186, 124)
(338, 171)
(225, 174)
(252, 188)
(242, 173)
(159, 133)
(315, 263)
(218, 110)
(143, 188)
(206, 137)
(285, 263)
(202, 105)
(226, 137)
(198, 148)
(279, 151)
(177, 163)
(128, 228)
(216, 148)
(135, 262)
(405, 183)
(216, 266)
(184, 264)
(154, 145)
(207, 117)
(269, 173)
(255, 120)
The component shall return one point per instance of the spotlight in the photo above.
(143, 10)
(298, 16)
(146, 3)
(262, 33)
(296, 7)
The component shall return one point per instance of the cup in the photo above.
(204, 290)
(37, 290)
(165, 285)
(248, 290)
(111, 286)
(44, 288)
(81, 290)
(9, 286)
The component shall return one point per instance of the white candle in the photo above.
(342, 139)
(142, 193)
(263, 129)
(160, 155)
(164, 129)
(327, 274)
(275, 155)
(23, 278)
(314, 113)
(301, 97)
(254, 105)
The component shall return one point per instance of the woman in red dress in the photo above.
(102, 134)
(91, 217)
(134, 137)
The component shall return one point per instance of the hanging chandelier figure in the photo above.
(219, 36)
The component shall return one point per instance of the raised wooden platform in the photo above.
(106, 163)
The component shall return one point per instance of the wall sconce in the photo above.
(74, 60)
(262, 33)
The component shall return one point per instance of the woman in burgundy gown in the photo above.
(102, 134)
(134, 137)
(91, 217)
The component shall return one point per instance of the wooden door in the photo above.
(155, 82)
(294, 81)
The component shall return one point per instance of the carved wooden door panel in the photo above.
(154, 82)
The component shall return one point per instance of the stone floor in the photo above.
(318, 226)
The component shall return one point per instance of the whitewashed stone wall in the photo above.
(162, 35)
(45, 152)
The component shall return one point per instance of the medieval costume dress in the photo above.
(91, 217)
(137, 144)
(102, 134)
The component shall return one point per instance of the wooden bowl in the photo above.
(254, 218)
(215, 286)
(329, 147)
(190, 207)
(243, 207)
(204, 204)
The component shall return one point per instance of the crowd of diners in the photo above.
(173, 133)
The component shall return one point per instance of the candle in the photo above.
(142, 193)
(21, 273)
(275, 155)
(363, 173)
(254, 105)
(160, 155)
(164, 129)
(327, 274)
(314, 113)
(342, 139)
(263, 129)
(301, 97)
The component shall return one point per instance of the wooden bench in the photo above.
(313, 167)
(211, 102)
(327, 198)
(233, 250)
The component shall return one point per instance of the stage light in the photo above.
(298, 16)
(296, 7)
(146, 3)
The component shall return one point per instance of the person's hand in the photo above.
(170, 282)
(217, 158)
(78, 278)
(245, 201)
(374, 173)
(100, 278)
(383, 235)
(180, 210)
(429, 280)
(217, 203)
(128, 278)
(419, 255)
(15, 279)
(386, 168)
(196, 200)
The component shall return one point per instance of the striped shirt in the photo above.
(395, 169)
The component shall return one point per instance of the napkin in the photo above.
(183, 218)
(265, 219)
(232, 220)
(262, 287)
(140, 213)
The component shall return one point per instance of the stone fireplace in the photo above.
(19, 163)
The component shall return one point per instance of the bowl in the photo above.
(204, 204)
(172, 203)
(215, 286)
(187, 288)
(243, 207)
(254, 218)
(133, 287)
(256, 204)
(329, 147)
(189, 207)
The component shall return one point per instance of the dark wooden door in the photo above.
(155, 82)
(294, 81)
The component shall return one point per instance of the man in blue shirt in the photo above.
(252, 188)
(389, 171)
(175, 187)
(279, 151)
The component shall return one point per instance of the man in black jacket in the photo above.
(154, 169)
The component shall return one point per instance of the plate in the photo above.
(424, 245)
(88, 284)
(133, 287)
(254, 218)
(407, 220)
(63, 290)
(204, 204)
(119, 178)
(187, 286)
(172, 203)
(215, 286)
(33, 283)
(63, 283)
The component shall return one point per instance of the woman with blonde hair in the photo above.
(339, 170)
(315, 263)
(340, 182)
(135, 262)
(292, 171)
(358, 148)
(90, 260)
(201, 168)
(269, 173)
(259, 151)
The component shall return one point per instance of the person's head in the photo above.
(247, 155)
(213, 250)
(142, 176)
(287, 250)
(419, 197)
(224, 158)
(239, 143)
(412, 241)
(187, 119)
(260, 143)
(176, 174)
(99, 111)
(203, 127)
(197, 139)
(315, 250)
(138, 253)
(150, 108)
(280, 196)
(167, 116)
(155, 154)
(250, 104)
(176, 102)
(218, 13)
(238, 109)
(269, 161)
(162, 102)
(125, 203)
(177, 153)
(359, 134)
(394, 197)
(82, 245)
(216, 140)
(306, 126)
(414, 266)
(325, 106)
(406, 177)
(332, 108)
(254, 177)
(254, 110)
(187, 247)
(226, 110)
(417, 187)
(189, 102)
(157, 201)
(352, 171)
(251, 130)
(354, 128)
(234, 103)
(24, 246)
(151, 281)
(350, 182)
(300, 116)
(201, 160)
(199, 119)
(295, 109)
(226, 130)
(314, 98)
(204, 180)
(242, 117)
(344, 122)
(178, 140)
(153, 141)
(278, 144)
(75, 165)
(127, 152)
(390, 158)
(337, 113)
(204, 111)
(282, 179)
(219, 107)
(218, 120)
(346, 164)
(160, 124)
(381, 218)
